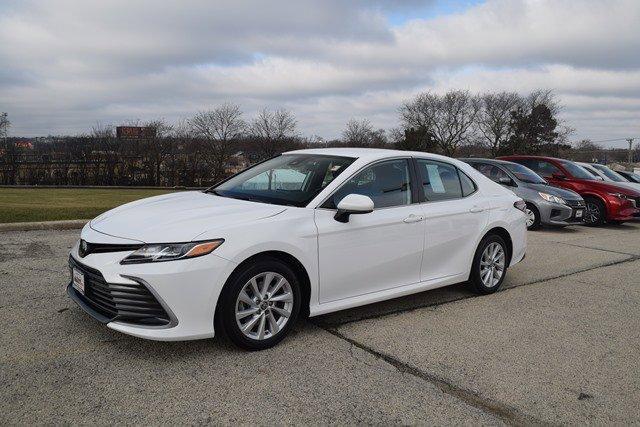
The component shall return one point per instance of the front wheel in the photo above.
(533, 217)
(489, 265)
(259, 305)
(595, 212)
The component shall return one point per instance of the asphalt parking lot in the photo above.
(559, 345)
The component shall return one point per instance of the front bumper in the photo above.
(622, 210)
(560, 215)
(187, 289)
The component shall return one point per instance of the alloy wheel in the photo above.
(593, 212)
(531, 217)
(492, 264)
(264, 305)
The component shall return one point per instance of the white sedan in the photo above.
(308, 232)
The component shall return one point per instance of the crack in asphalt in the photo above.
(501, 410)
(597, 249)
(506, 413)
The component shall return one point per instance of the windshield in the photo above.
(576, 171)
(524, 174)
(609, 173)
(289, 179)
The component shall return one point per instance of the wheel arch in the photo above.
(287, 258)
(605, 202)
(504, 234)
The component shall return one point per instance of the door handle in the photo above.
(413, 218)
(476, 209)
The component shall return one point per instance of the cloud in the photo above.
(65, 64)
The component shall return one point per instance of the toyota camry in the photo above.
(305, 233)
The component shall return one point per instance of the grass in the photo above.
(51, 204)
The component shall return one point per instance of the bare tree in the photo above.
(358, 133)
(448, 118)
(494, 118)
(544, 97)
(157, 148)
(273, 130)
(220, 128)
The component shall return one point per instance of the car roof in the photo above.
(368, 153)
(525, 156)
(491, 161)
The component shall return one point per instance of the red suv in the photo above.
(606, 201)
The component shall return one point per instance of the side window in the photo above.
(440, 181)
(530, 163)
(386, 183)
(468, 186)
(490, 171)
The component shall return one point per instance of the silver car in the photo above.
(546, 205)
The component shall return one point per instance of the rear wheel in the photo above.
(259, 305)
(489, 265)
(533, 217)
(595, 212)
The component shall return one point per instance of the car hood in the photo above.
(631, 185)
(555, 191)
(179, 217)
(612, 187)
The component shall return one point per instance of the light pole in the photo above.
(630, 156)
(4, 123)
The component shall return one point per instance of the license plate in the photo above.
(78, 281)
(579, 214)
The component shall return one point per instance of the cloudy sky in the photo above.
(67, 64)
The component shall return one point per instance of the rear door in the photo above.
(455, 215)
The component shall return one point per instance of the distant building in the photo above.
(24, 144)
(135, 132)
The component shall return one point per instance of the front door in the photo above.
(375, 251)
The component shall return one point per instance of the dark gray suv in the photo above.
(546, 205)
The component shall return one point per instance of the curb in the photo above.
(72, 224)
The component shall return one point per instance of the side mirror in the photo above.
(353, 204)
(505, 180)
(557, 175)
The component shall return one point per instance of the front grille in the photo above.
(132, 303)
(87, 248)
(575, 203)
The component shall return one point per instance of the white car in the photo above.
(310, 231)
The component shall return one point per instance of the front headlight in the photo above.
(159, 252)
(621, 196)
(551, 198)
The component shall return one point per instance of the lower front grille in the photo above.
(576, 203)
(131, 303)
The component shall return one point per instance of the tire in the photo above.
(479, 269)
(264, 307)
(533, 217)
(595, 212)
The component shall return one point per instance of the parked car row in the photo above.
(560, 192)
